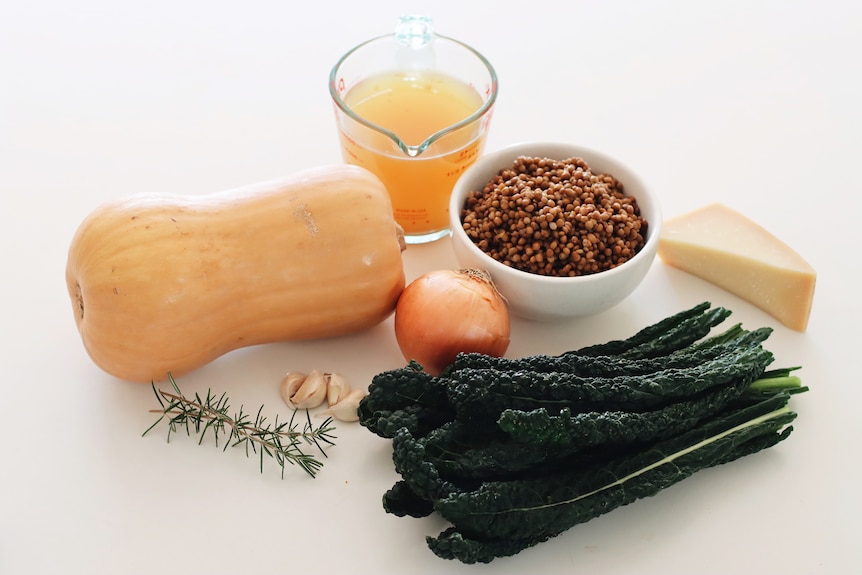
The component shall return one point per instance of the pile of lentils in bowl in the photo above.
(554, 218)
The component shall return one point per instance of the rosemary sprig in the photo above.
(282, 441)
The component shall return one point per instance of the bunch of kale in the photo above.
(513, 452)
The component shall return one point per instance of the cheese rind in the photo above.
(725, 248)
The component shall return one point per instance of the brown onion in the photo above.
(446, 312)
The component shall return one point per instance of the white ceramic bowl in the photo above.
(539, 297)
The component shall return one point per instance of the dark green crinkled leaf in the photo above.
(479, 396)
(545, 507)
(665, 336)
(514, 452)
(568, 429)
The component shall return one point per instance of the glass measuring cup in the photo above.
(413, 107)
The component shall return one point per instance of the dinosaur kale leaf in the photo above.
(503, 518)
(513, 452)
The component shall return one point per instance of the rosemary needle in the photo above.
(282, 441)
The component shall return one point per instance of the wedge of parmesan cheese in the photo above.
(723, 247)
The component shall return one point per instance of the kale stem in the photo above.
(787, 382)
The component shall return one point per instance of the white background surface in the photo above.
(752, 103)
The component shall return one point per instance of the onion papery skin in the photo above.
(446, 312)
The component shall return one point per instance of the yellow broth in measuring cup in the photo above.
(417, 125)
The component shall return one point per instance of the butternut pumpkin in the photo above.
(168, 283)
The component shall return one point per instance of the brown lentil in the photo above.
(554, 218)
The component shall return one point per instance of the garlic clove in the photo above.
(347, 409)
(290, 384)
(337, 388)
(311, 393)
